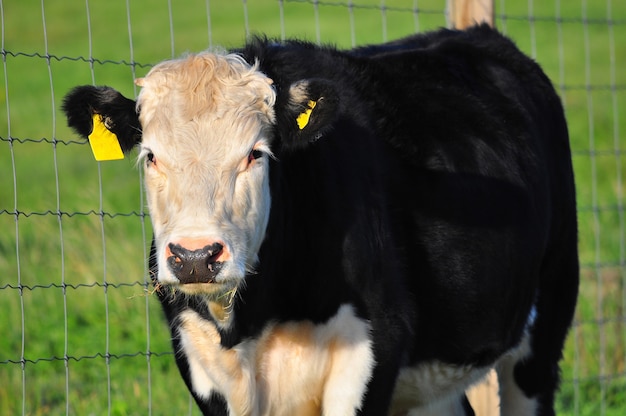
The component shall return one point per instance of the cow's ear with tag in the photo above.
(105, 117)
(311, 110)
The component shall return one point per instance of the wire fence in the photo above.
(80, 330)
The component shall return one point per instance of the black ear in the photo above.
(309, 111)
(118, 113)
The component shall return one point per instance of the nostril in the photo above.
(214, 250)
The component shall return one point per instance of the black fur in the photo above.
(117, 111)
(432, 189)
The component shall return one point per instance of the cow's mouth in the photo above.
(197, 266)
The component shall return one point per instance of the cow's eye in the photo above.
(150, 159)
(254, 155)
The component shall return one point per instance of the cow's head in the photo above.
(208, 128)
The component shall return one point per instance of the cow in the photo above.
(365, 231)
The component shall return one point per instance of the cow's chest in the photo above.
(292, 368)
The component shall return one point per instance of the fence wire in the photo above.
(82, 332)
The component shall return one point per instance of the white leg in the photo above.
(513, 401)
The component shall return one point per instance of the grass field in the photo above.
(80, 333)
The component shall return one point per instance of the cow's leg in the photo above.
(435, 388)
(529, 377)
(454, 406)
(513, 401)
(380, 389)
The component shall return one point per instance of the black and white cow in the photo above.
(356, 232)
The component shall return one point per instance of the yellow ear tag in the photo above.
(104, 144)
(303, 118)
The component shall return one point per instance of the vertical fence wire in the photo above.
(416, 16)
(575, 375)
(147, 282)
(533, 36)
(618, 178)
(383, 18)
(208, 22)
(22, 358)
(281, 14)
(246, 20)
(618, 163)
(58, 207)
(503, 16)
(352, 23)
(146, 287)
(131, 48)
(316, 14)
(142, 214)
(171, 26)
(595, 204)
(561, 51)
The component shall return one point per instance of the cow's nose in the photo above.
(191, 265)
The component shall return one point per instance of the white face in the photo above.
(206, 123)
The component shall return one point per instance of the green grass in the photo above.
(106, 308)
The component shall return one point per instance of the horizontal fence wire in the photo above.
(89, 357)
(50, 57)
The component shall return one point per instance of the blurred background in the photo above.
(81, 332)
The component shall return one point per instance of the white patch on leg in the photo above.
(432, 388)
(513, 401)
(451, 406)
(352, 363)
(216, 369)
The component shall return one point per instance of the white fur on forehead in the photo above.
(206, 84)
